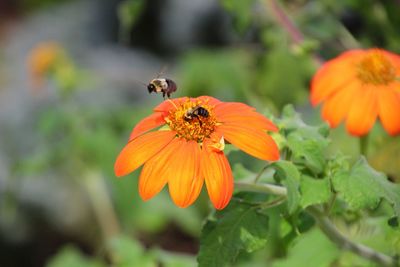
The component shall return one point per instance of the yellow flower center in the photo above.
(375, 68)
(192, 120)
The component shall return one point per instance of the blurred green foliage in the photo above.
(128, 14)
(71, 256)
(242, 12)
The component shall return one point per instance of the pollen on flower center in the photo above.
(375, 68)
(190, 123)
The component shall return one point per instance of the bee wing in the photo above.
(137, 81)
(162, 71)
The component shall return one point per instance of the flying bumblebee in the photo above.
(196, 112)
(158, 85)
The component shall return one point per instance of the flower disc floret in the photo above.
(375, 68)
(195, 129)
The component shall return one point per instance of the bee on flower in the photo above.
(360, 86)
(187, 148)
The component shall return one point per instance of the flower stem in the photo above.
(364, 145)
(283, 20)
(260, 173)
(102, 205)
(262, 188)
(327, 227)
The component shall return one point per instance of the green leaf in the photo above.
(230, 148)
(287, 173)
(71, 256)
(307, 151)
(240, 172)
(239, 227)
(314, 191)
(127, 252)
(364, 187)
(310, 249)
(292, 121)
(306, 143)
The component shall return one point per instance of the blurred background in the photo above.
(71, 90)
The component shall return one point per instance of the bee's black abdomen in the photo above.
(202, 112)
(171, 85)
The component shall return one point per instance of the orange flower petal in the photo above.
(168, 104)
(393, 58)
(235, 107)
(252, 141)
(148, 123)
(184, 178)
(338, 105)
(389, 110)
(363, 112)
(218, 176)
(208, 99)
(241, 114)
(154, 174)
(139, 150)
(333, 75)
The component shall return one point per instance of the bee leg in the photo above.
(198, 119)
(163, 95)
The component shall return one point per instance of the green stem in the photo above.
(327, 227)
(102, 205)
(260, 173)
(262, 188)
(283, 20)
(276, 202)
(364, 145)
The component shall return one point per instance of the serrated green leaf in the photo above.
(314, 191)
(364, 187)
(308, 152)
(306, 143)
(239, 227)
(288, 174)
(291, 120)
(71, 256)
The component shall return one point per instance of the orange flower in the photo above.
(188, 149)
(41, 59)
(358, 86)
